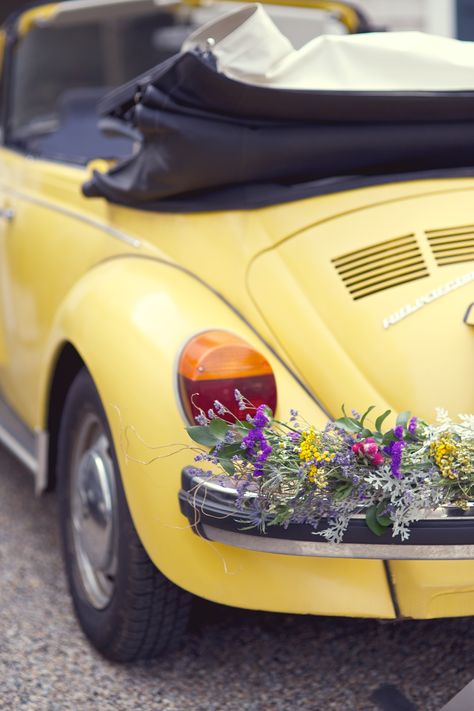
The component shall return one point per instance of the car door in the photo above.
(49, 234)
(11, 427)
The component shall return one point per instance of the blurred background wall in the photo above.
(453, 18)
(435, 16)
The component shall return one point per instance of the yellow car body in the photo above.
(121, 290)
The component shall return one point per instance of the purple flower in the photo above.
(252, 439)
(201, 419)
(412, 425)
(240, 399)
(264, 452)
(261, 419)
(398, 431)
(395, 450)
(396, 454)
(219, 407)
(241, 488)
(255, 442)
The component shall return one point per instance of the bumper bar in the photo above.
(210, 509)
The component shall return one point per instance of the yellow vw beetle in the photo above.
(142, 264)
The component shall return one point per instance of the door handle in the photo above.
(7, 213)
(469, 315)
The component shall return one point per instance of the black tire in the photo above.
(142, 614)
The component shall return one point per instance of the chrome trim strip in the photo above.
(29, 446)
(42, 460)
(117, 234)
(18, 450)
(382, 551)
(215, 486)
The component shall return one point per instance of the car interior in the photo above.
(64, 64)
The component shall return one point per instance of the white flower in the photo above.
(442, 416)
(468, 421)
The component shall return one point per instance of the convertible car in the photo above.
(178, 224)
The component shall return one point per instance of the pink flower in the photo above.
(368, 449)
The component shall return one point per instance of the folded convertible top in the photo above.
(209, 141)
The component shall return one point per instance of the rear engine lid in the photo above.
(371, 305)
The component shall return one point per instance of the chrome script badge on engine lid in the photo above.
(437, 293)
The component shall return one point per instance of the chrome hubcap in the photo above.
(94, 512)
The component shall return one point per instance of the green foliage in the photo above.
(227, 465)
(403, 418)
(381, 515)
(219, 427)
(369, 409)
(348, 424)
(342, 492)
(381, 419)
(373, 521)
(202, 435)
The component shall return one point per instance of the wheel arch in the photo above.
(66, 366)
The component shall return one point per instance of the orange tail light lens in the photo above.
(216, 363)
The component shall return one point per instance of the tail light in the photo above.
(216, 363)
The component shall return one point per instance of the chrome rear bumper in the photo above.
(210, 509)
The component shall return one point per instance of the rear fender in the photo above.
(128, 319)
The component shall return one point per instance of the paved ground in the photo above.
(230, 660)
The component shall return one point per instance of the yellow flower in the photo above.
(312, 453)
(444, 451)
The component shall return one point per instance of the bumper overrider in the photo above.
(448, 534)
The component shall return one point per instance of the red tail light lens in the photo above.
(216, 363)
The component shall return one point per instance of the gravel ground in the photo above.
(231, 660)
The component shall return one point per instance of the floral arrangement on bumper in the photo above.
(290, 472)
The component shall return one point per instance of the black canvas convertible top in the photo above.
(210, 142)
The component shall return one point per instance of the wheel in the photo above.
(125, 606)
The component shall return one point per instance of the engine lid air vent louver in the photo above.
(382, 266)
(452, 245)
